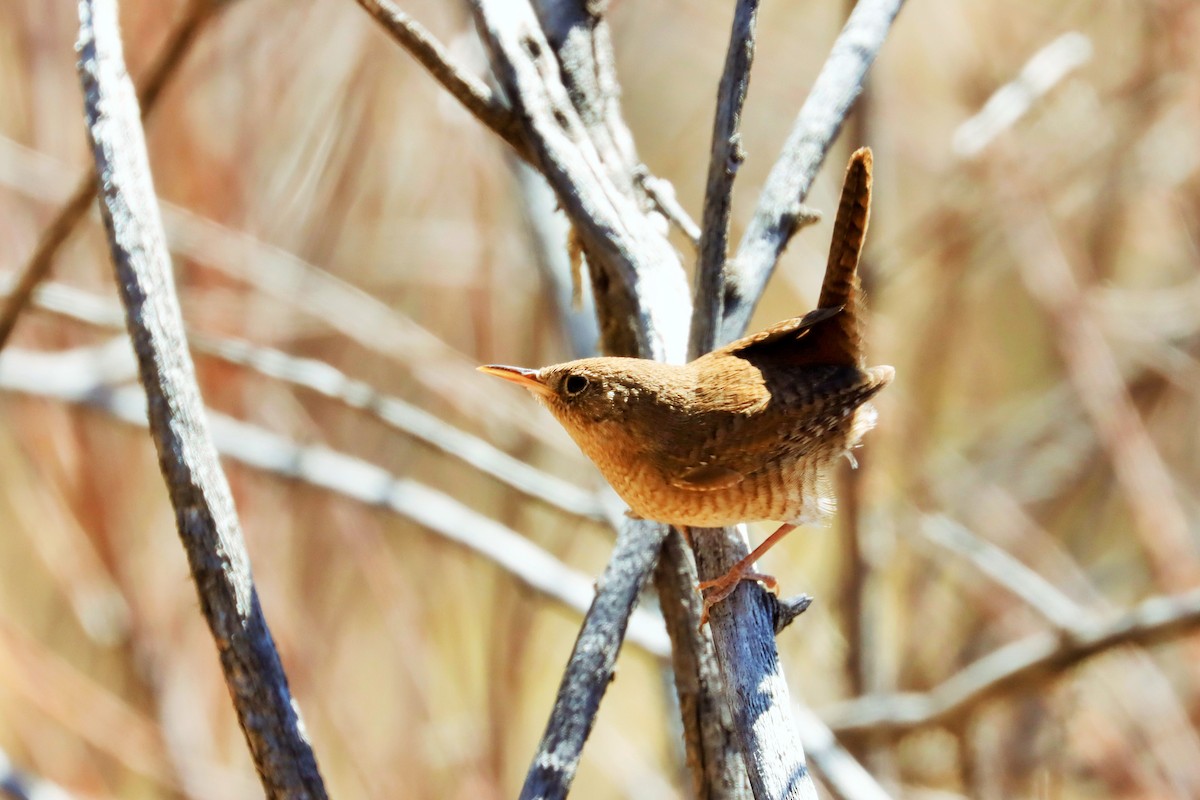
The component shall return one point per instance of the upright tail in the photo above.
(843, 333)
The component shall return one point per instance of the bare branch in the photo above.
(590, 668)
(1044, 70)
(717, 769)
(165, 66)
(638, 282)
(724, 161)
(327, 380)
(662, 195)
(743, 631)
(92, 376)
(1026, 663)
(199, 492)
(474, 95)
(780, 206)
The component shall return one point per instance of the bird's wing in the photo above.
(790, 330)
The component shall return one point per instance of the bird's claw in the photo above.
(717, 589)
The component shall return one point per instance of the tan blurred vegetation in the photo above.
(1040, 302)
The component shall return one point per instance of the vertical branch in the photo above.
(780, 207)
(744, 636)
(743, 627)
(725, 159)
(714, 760)
(197, 487)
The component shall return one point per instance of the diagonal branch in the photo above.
(165, 66)
(1026, 663)
(780, 207)
(475, 96)
(328, 381)
(592, 662)
(725, 159)
(92, 377)
(203, 503)
(636, 275)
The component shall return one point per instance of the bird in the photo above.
(747, 432)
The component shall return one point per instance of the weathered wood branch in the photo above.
(725, 159)
(592, 662)
(781, 205)
(204, 511)
(637, 279)
(474, 95)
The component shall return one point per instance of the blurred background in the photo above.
(1032, 268)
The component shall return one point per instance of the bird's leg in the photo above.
(717, 589)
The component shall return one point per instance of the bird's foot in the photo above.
(716, 590)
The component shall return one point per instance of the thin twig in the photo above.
(780, 207)
(328, 381)
(662, 195)
(197, 487)
(593, 659)
(474, 95)
(725, 159)
(92, 377)
(165, 66)
(1026, 663)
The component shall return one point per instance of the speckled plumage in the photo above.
(745, 432)
(741, 434)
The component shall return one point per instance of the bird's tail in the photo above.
(841, 286)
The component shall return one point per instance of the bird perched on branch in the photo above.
(744, 433)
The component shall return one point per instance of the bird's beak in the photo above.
(520, 376)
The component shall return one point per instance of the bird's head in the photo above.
(588, 391)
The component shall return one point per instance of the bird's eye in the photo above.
(574, 384)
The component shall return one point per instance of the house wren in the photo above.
(744, 433)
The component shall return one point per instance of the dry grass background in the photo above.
(1040, 302)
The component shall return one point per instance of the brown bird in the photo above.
(744, 433)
